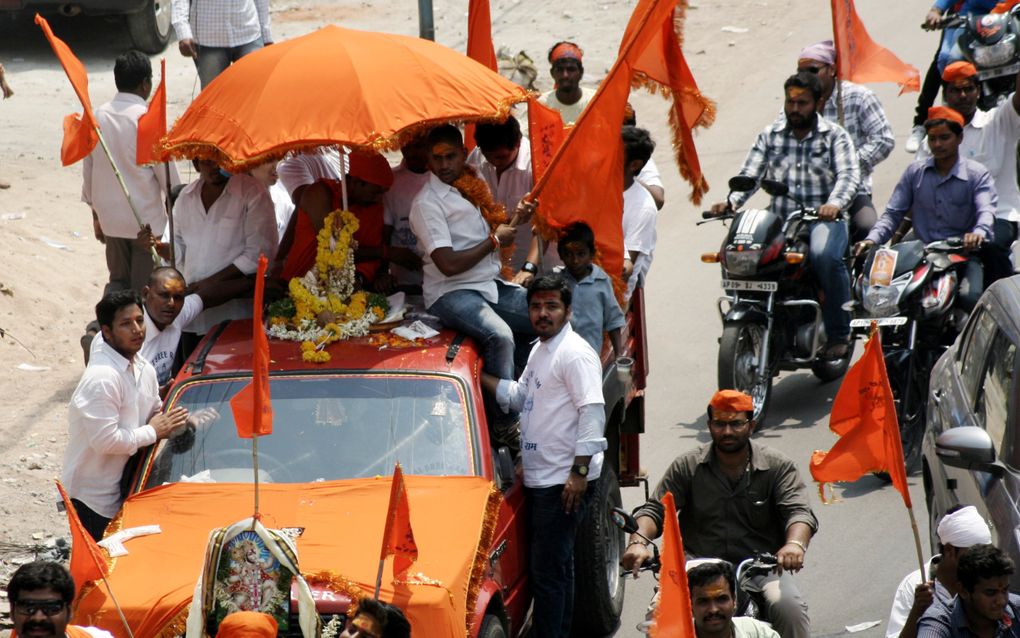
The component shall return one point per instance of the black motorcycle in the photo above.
(772, 318)
(992, 44)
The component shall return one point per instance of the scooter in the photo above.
(991, 43)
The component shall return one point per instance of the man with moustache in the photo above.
(41, 593)
(817, 160)
(714, 601)
(567, 68)
(734, 498)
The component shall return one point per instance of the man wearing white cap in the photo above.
(961, 528)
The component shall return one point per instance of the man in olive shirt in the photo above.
(734, 498)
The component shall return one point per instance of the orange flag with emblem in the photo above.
(80, 135)
(859, 59)
(252, 407)
(864, 417)
(546, 133)
(152, 125)
(673, 617)
(479, 48)
(87, 562)
(398, 537)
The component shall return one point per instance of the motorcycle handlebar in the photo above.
(651, 565)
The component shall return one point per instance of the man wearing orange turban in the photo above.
(568, 97)
(734, 498)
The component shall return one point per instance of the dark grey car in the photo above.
(148, 21)
(972, 441)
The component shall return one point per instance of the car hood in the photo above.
(453, 519)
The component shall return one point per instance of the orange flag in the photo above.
(87, 562)
(673, 616)
(80, 135)
(479, 48)
(398, 537)
(864, 417)
(252, 407)
(661, 68)
(152, 125)
(859, 59)
(546, 133)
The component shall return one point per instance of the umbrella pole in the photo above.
(426, 27)
(343, 177)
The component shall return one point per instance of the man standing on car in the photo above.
(559, 397)
(736, 498)
(217, 33)
(816, 159)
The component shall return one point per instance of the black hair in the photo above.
(578, 232)
(111, 302)
(490, 136)
(41, 574)
(390, 618)
(710, 571)
(551, 283)
(131, 69)
(629, 115)
(164, 272)
(637, 144)
(950, 124)
(805, 80)
(553, 48)
(445, 133)
(982, 561)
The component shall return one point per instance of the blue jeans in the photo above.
(212, 61)
(972, 284)
(827, 250)
(499, 328)
(552, 537)
(949, 51)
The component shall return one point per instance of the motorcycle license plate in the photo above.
(1012, 69)
(752, 286)
(881, 321)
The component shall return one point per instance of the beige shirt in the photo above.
(569, 112)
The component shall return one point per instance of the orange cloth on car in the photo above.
(247, 624)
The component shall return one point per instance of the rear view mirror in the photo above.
(774, 188)
(968, 448)
(623, 520)
(742, 183)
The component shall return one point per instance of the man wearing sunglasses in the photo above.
(40, 594)
(734, 498)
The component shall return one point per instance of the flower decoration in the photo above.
(475, 190)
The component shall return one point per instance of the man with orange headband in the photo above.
(735, 497)
(989, 137)
(568, 97)
(949, 196)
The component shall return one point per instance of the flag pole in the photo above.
(116, 604)
(123, 186)
(255, 465)
(170, 216)
(378, 577)
(917, 542)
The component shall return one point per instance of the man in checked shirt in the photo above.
(217, 33)
(817, 160)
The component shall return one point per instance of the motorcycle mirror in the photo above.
(623, 520)
(774, 188)
(742, 183)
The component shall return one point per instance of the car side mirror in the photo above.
(504, 468)
(968, 448)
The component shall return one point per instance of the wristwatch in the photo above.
(529, 268)
(580, 470)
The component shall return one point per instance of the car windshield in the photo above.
(324, 428)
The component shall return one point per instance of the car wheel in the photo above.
(150, 27)
(492, 628)
(598, 588)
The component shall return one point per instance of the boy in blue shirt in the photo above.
(595, 309)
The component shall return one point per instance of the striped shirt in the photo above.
(820, 169)
(221, 23)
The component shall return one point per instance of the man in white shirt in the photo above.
(409, 177)
(563, 418)
(217, 33)
(960, 529)
(639, 210)
(114, 411)
(283, 205)
(222, 223)
(128, 260)
(300, 171)
(41, 593)
(568, 97)
(989, 137)
(649, 176)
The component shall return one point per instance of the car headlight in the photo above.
(996, 54)
(742, 262)
(881, 301)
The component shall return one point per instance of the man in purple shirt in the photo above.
(950, 196)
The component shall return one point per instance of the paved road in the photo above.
(864, 545)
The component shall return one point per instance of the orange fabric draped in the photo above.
(859, 59)
(155, 581)
(152, 125)
(398, 537)
(546, 134)
(673, 617)
(80, 135)
(479, 48)
(252, 406)
(87, 561)
(864, 417)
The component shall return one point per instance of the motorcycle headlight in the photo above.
(742, 262)
(997, 54)
(881, 301)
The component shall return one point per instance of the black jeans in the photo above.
(995, 254)
(930, 88)
(93, 523)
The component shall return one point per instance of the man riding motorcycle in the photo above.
(735, 498)
(817, 160)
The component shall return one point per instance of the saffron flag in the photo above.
(87, 562)
(398, 537)
(859, 59)
(864, 417)
(252, 407)
(152, 125)
(546, 133)
(80, 135)
(479, 48)
(673, 616)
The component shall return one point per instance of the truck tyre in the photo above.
(739, 348)
(150, 27)
(491, 628)
(598, 588)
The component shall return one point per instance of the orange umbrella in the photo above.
(368, 91)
